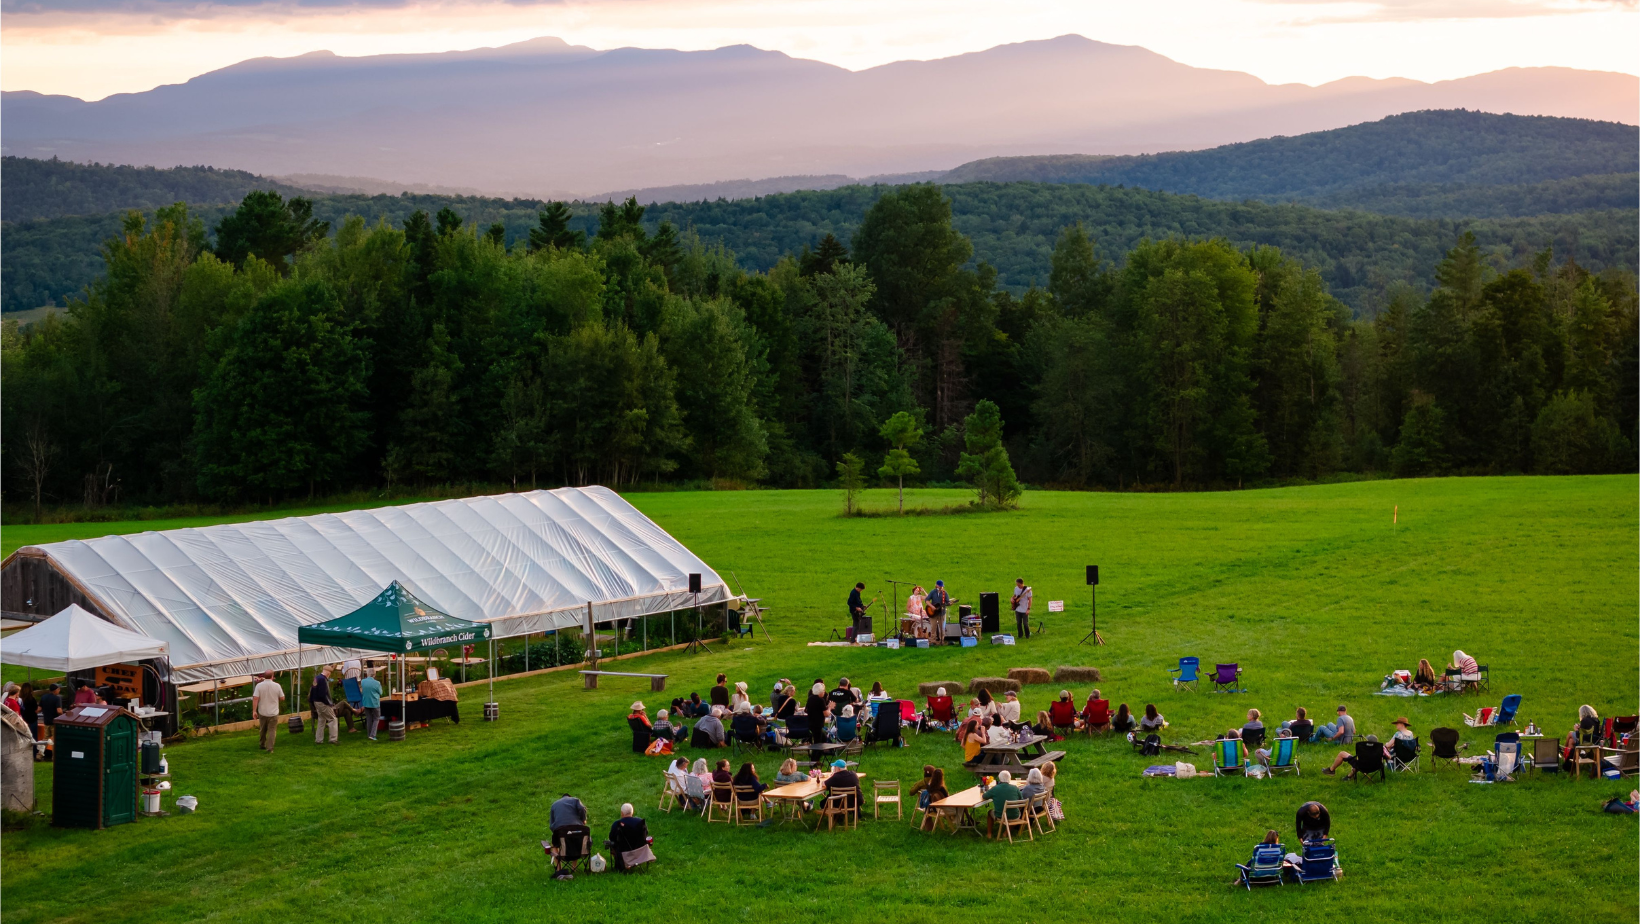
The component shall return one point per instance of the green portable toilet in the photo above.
(95, 776)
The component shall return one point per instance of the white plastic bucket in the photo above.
(150, 801)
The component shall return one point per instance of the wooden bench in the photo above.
(657, 682)
(1037, 762)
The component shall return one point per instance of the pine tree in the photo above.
(553, 229)
(986, 462)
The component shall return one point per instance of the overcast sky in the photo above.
(91, 48)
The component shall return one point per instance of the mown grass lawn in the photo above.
(1313, 590)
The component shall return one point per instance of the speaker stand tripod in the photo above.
(697, 644)
(1093, 630)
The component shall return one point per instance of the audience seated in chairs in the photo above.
(629, 841)
(844, 781)
(1096, 714)
(1368, 758)
(745, 727)
(1403, 746)
(1044, 726)
(1266, 866)
(570, 845)
(1300, 726)
(663, 727)
(1252, 733)
(886, 726)
(999, 795)
(1034, 785)
(746, 779)
(941, 712)
(971, 735)
(709, 732)
(1063, 713)
(790, 774)
(847, 727)
(638, 720)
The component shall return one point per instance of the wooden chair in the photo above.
(669, 793)
(1039, 813)
(1021, 808)
(837, 806)
(747, 800)
(1545, 755)
(1586, 755)
(880, 794)
(723, 799)
(1626, 760)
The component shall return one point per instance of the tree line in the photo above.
(287, 361)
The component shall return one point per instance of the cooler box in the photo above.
(968, 641)
(1002, 639)
(922, 643)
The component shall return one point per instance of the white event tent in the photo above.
(228, 600)
(75, 640)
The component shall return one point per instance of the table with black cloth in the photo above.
(422, 710)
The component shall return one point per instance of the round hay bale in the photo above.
(1028, 675)
(1076, 675)
(952, 687)
(993, 685)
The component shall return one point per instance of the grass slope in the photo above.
(1313, 590)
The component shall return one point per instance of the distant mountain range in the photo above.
(544, 118)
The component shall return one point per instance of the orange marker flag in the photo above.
(1396, 516)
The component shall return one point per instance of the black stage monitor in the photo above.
(1093, 575)
(990, 612)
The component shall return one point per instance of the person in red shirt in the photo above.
(83, 693)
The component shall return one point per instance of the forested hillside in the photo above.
(1430, 147)
(32, 188)
(285, 360)
(1012, 226)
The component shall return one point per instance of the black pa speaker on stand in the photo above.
(1093, 588)
(697, 644)
(990, 612)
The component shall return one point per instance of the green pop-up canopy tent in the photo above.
(396, 621)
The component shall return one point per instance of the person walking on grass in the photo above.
(265, 700)
(370, 702)
(1022, 608)
(324, 709)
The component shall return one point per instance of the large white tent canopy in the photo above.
(74, 640)
(228, 600)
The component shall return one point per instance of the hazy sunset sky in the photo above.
(91, 48)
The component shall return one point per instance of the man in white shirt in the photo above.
(1022, 608)
(996, 734)
(265, 700)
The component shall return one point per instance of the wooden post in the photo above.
(592, 636)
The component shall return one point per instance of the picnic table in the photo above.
(818, 752)
(790, 797)
(956, 808)
(1017, 758)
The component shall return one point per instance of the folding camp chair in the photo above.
(797, 731)
(844, 804)
(1227, 678)
(1062, 716)
(1252, 738)
(722, 801)
(1480, 719)
(886, 726)
(1319, 863)
(1096, 716)
(909, 717)
(1545, 755)
(1369, 759)
(1188, 671)
(942, 710)
(1403, 755)
(1264, 868)
(571, 846)
(1506, 754)
(1284, 756)
(1619, 726)
(1626, 761)
(1016, 814)
(1229, 757)
(1506, 711)
(670, 794)
(885, 792)
(1040, 814)
(1443, 743)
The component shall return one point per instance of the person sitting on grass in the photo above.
(877, 694)
(1313, 822)
(1095, 714)
(843, 780)
(995, 733)
(1424, 680)
(846, 727)
(987, 706)
(1339, 732)
(695, 707)
(1122, 722)
(1152, 721)
(1003, 792)
(720, 692)
(663, 727)
(747, 776)
(739, 697)
(708, 732)
(1300, 726)
(1345, 757)
(790, 774)
(627, 834)
(1044, 726)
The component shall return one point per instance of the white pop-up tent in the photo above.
(75, 640)
(228, 600)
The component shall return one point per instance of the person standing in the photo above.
(370, 701)
(31, 709)
(1022, 608)
(265, 700)
(856, 606)
(324, 709)
(352, 671)
(51, 706)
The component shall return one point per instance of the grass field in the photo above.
(1313, 590)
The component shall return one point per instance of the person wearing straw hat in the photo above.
(1403, 730)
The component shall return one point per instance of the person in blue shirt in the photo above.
(370, 701)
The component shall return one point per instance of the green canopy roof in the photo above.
(395, 621)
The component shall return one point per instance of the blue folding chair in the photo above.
(1319, 863)
(1229, 756)
(1506, 756)
(1264, 868)
(1284, 756)
(1189, 671)
(1506, 712)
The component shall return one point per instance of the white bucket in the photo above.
(150, 800)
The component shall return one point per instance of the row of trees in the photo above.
(286, 360)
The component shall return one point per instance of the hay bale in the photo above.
(1028, 675)
(1076, 675)
(952, 687)
(993, 685)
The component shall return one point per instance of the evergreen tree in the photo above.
(708, 344)
(986, 462)
(266, 225)
(553, 229)
(1570, 437)
(823, 258)
(429, 439)
(1421, 449)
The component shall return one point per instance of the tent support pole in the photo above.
(492, 670)
(592, 635)
(216, 701)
